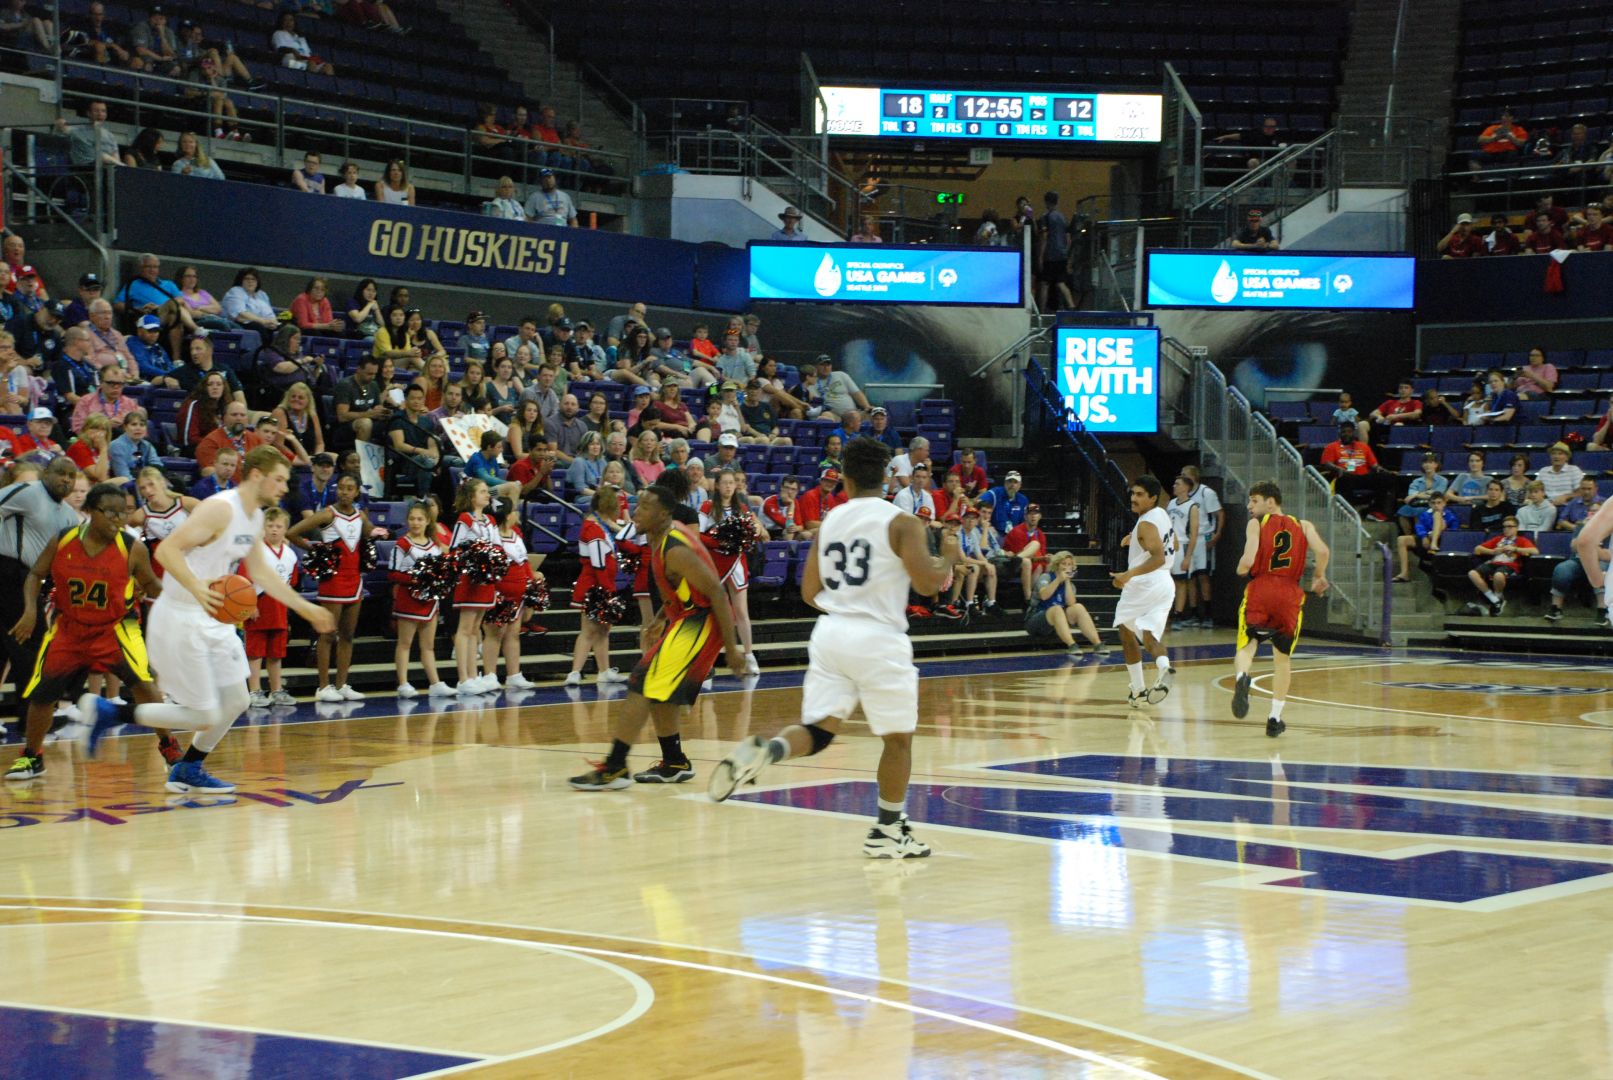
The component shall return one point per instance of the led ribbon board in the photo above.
(886, 274)
(1224, 279)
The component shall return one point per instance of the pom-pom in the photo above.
(603, 606)
(734, 534)
(629, 558)
(367, 558)
(433, 578)
(536, 597)
(502, 613)
(321, 560)
(482, 563)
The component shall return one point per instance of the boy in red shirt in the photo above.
(810, 507)
(778, 511)
(973, 476)
(1029, 542)
(1504, 557)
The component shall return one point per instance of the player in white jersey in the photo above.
(1596, 532)
(201, 662)
(1146, 591)
(866, 556)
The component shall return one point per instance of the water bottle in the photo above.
(229, 47)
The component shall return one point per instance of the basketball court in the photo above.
(1406, 884)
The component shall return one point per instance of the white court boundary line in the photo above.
(1209, 1059)
(643, 993)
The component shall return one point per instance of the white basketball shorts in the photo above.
(852, 661)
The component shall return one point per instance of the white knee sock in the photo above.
(1277, 709)
(1162, 662)
(233, 701)
(1135, 673)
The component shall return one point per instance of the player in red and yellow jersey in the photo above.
(94, 569)
(680, 646)
(1274, 549)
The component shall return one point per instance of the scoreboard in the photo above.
(1041, 115)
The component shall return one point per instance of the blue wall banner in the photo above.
(886, 274)
(1224, 279)
(1109, 377)
(252, 224)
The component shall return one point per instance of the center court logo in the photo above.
(1224, 288)
(828, 278)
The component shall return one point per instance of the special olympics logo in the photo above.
(947, 278)
(1342, 283)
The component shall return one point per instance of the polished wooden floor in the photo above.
(1412, 882)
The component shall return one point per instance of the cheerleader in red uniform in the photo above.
(733, 570)
(597, 551)
(160, 512)
(472, 600)
(415, 618)
(439, 532)
(266, 635)
(506, 639)
(342, 594)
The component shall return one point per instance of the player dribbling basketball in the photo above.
(1146, 591)
(866, 556)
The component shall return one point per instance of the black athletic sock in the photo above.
(889, 814)
(126, 713)
(672, 749)
(1204, 610)
(617, 758)
(194, 754)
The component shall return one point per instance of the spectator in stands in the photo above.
(701, 345)
(269, 431)
(1536, 378)
(840, 392)
(1467, 489)
(193, 161)
(294, 51)
(1602, 437)
(549, 205)
(1430, 526)
(37, 439)
(1403, 408)
(74, 375)
(246, 304)
(1420, 494)
(644, 458)
(1438, 411)
(144, 150)
(1028, 543)
(1503, 557)
(587, 467)
(358, 405)
(371, 15)
(1354, 468)
(1500, 403)
(1501, 240)
(78, 310)
(422, 339)
(1501, 144)
(232, 432)
(1266, 135)
(201, 365)
(108, 348)
(915, 496)
(311, 309)
(1515, 485)
(542, 390)
(637, 314)
(1051, 608)
(534, 471)
(1346, 413)
(668, 416)
(147, 293)
(868, 231)
(492, 140)
(833, 448)
(475, 340)
(971, 477)
(1560, 478)
(1255, 235)
(131, 451)
(298, 418)
(226, 465)
(349, 188)
(546, 128)
(504, 389)
(364, 310)
(1568, 576)
(1004, 505)
(453, 405)
(1537, 514)
(1545, 237)
(93, 142)
(391, 341)
(307, 178)
(210, 74)
(151, 359)
(504, 204)
(879, 428)
(154, 46)
(812, 505)
(1590, 231)
(566, 433)
(526, 334)
(415, 451)
(733, 363)
(1581, 505)
(195, 312)
(785, 404)
(90, 450)
(1461, 242)
(1052, 256)
(636, 362)
(597, 414)
(850, 426)
(394, 186)
(778, 510)
(14, 253)
(757, 411)
(98, 41)
(790, 231)
(1474, 404)
(282, 364)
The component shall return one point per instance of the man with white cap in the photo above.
(1461, 242)
(880, 430)
(727, 455)
(156, 366)
(1005, 503)
(37, 440)
(791, 231)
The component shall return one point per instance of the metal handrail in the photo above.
(9, 170)
(1263, 175)
(1026, 340)
(1176, 89)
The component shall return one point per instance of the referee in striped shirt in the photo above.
(31, 516)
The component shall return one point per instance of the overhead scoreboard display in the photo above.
(1042, 115)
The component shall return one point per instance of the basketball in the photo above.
(240, 599)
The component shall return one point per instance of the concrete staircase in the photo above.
(1421, 81)
(524, 53)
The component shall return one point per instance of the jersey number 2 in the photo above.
(850, 564)
(1281, 544)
